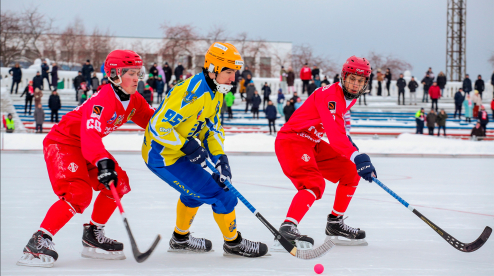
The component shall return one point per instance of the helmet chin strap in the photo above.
(223, 88)
(122, 94)
(118, 85)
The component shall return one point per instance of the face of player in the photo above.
(354, 83)
(226, 77)
(130, 80)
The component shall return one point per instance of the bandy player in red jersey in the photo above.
(308, 161)
(78, 163)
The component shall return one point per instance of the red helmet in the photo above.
(121, 59)
(357, 66)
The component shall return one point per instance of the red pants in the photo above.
(73, 179)
(307, 165)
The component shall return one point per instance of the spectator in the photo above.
(298, 103)
(280, 101)
(380, 78)
(87, 70)
(288, 110)
(492, 107)
(83, 98)
(266, 93)
(294, 98)
(312, 87)
(44, 74)
(8, 123)
(478, 132)
(388, 77)
(39, 118)
(29, 91)
(186, 74)
(441, 82)
(38, 81)
(242, 87)
(305, 76)
(160, 88)
(54, 76)
(315, 72)
(477, 102)
(170, 87)
(16, 73)
(178, 72)
(483, 118)
(412, 85)
(94, 83)
(492, 83)
(459, 98)
(235, 82)
(431, 74)
(229, 99)
(427, 82)
(317, 81)
(336, 78)
(271, 116)
(431, 119)
(290, 80)
(371, 77)
(105, 81)
(325, 81)
(54, 104)
(38, 94)
(401, 84)
(147, 94)
(467, 84)
(154, 70)
(479, 85)
(419, 119)
(250, 91)
(348, 123)
(246, 72)
(150, 81)
(256, 102)
(140, 86)
(82, 90)
(441, 122)
(435, 94)
(77, 82)
(168, 73)
(468, 105)
(283, 75)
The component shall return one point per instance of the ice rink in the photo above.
(455, 193)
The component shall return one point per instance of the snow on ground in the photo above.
(456, 194)
(258, 142)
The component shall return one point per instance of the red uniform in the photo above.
(307, 160)
(74, 146)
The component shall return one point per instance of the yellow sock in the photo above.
(227, 224)
(185, 216)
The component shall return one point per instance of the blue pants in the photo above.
(195, 185)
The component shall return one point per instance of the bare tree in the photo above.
(72, 42)
(304, 54)
(216, 33)
(282, 60)
(395, 65)
(99, 45)
(13, 37)
(37, 24)
(178, 40)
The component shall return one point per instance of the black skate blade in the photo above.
(185, 251)
(479, 242)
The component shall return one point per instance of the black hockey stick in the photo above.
(301, 254)
(140, 257)
(463, 247)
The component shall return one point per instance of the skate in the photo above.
(39, 251)
(97, 246)
(342, 234)
(290, 231)
(188, 244)
(245, 248)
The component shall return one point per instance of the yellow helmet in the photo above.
(221, 55)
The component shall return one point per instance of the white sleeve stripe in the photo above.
(352, 158)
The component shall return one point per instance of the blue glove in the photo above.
(365, 169)
(223, 168)
(195, 152)
(352, 142)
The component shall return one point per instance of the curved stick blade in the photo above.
(479, 242)
(315, 252)
(141, 257)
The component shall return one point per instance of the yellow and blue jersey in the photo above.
(191, 109)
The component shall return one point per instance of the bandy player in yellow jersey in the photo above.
(183, 132)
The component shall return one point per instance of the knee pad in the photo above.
(79, 199)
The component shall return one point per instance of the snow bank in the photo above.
(263, 143)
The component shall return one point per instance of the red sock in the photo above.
(301, 203)
(342, 199)
(57, 216)
(104, 207)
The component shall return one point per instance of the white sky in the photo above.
(412, 30)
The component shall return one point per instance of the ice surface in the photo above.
(456, 194)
